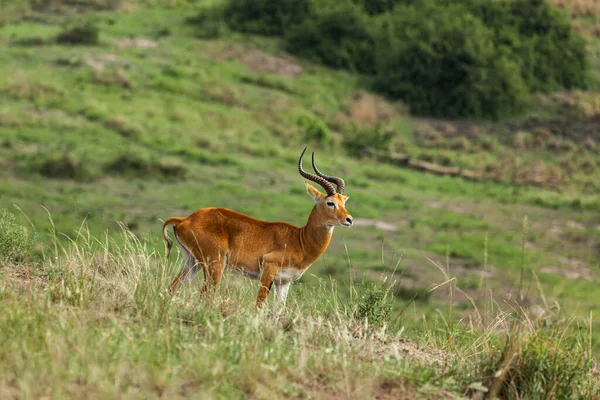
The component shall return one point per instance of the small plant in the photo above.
(523, 140)
(266, 17)
(79, 35)
(411, 293)
(209, 23)
(123, 126)
(373, 304)
(547, 361)
(16, 241)
(135, 166)
(60, 166)
(488, 143)
(314, 129)
(359, 141)
(460, 143)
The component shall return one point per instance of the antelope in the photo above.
(277, 253)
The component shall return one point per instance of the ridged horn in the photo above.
(339, 182)
(316, 179)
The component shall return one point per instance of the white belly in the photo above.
(288, 274)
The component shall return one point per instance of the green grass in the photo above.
(93, 318)
(113, 133)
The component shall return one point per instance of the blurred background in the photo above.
(466, 131)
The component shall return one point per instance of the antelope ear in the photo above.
(345, 198)
(314, 193)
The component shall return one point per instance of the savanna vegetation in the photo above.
(466, 132)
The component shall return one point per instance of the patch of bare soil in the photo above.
(261, 62)
(368, 109)
(130, 42)
(570, 269)
(447, 207)
(406, 349)
(575, 225)
(382, 225)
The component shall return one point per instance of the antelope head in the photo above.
(331, 205)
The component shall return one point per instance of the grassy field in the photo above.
(152, 122)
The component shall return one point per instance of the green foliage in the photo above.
(358, 141)
(210, 23)
(62, 165)
(446, 64)
(133, 165)
(314, 129)
(549, 362)
(376, 7)
(372, 303)
(540, 39)
(411, 293)
(340, 36)
(87, 35)
(465, 58)
(16, 241)
(266, 17)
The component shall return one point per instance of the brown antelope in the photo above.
(273, 252)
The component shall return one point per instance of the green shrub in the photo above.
(16, 241)
(358, 140)
(373, 304)
(551, 362)
(445, 58)
(314, 129)
(340, 36)
(79, 35)
(443, 62)
(59, 166)
(541, 40)
(210, 23)
(132, 165)
(376, 7)
(267, 17)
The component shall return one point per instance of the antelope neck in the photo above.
(315, 236)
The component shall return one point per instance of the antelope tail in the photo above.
(174, 222)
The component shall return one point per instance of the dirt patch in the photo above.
(382, 225)
(403, 349)
(571, 268)
(368, 109)
(575, 225)
(141, 43)
(261, 62)
(447, 207)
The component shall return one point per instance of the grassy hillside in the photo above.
(152, 122)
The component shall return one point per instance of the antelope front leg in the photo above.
(281, 292)
(266, 281)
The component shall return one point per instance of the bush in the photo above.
(373, 304)
(314, 129)
(541, 40)
(376, 7)
(60, 166)
(340, 36)
(444, 58)
(445, 63)
(16, 241)
(210, 23)
(131, 165)
(546, 363)
(267, 17)
(79, 35)
(361, 141)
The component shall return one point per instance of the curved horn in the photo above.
(339, 182)
(316, 179)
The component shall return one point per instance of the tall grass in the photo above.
(94, 319)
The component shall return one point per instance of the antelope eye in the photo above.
(331, 203)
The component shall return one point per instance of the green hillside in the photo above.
(122, 114)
